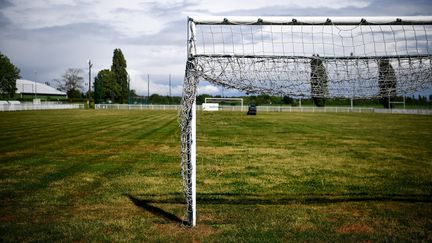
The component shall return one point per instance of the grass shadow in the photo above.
(144, 204)
(282, 199)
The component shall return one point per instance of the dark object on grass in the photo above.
(252, 109)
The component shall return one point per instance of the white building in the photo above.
(27, 88)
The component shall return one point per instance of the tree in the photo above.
(288, 100)
(105, 86)
(71, 82)
(386, 82)
(8, 76)
(132, 93)
(120, 75)
(319, 81)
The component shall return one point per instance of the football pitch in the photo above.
(86, 175)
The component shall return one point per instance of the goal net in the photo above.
(315, 57)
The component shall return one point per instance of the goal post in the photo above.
(313, 57)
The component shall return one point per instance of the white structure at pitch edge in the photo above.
(34, 89)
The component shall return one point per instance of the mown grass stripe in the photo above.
(273, 177)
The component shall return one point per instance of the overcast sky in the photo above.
(45, 37)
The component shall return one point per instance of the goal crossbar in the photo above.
(321, 57)
(253, 20)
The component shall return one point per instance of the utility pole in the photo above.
(170, 86)
(129, 98)
(169, 101)
(148, 88)
(34, 86)
(88, 94)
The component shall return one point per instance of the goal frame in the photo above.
(188, 110)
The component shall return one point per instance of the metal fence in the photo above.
(269, 109)
(135, 107)
(405, 111)
(31, 107)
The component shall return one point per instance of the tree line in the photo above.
(8, 76)
(112, 86)
(319, 88)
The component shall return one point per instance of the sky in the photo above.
(43, 38)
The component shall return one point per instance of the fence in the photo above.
(31, 107)
(135, 107)
(405, 111)
(269, 109)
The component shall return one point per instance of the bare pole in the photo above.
(90, 65)
(34, 86)
(148, 88)
(170, 86)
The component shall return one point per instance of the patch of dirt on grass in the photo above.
(354, 228)
(201, 230)
(7, 218)
(304, 227)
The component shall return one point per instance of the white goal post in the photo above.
(315, 57)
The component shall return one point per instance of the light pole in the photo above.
(169, 101)
(34, 85)
(129, 98)
(88, 94)
(148, 89)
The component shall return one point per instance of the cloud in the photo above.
(5, 4)
(49, 36)
(229, 5)
(208, 89)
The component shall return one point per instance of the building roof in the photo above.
(31, 87)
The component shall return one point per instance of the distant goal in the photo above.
(315, 57)
(210, 100)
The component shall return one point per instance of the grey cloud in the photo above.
(162, 9)
(5, 4)
(4, 21)
(70, 44)
(375, 8)
(63, 33)
(173, 34)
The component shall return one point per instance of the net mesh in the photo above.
(325, 60)
(278, 60)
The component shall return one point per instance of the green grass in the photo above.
(85, 175)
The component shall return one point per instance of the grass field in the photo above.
(85, 175)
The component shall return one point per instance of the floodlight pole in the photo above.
(169, 88)
(88, 95)
(148, 89)
(35, 87)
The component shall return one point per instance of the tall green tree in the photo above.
(120, 75)
(319, 81)
(8, 76)
(386, 82)
(106, 88)
(71, 82)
